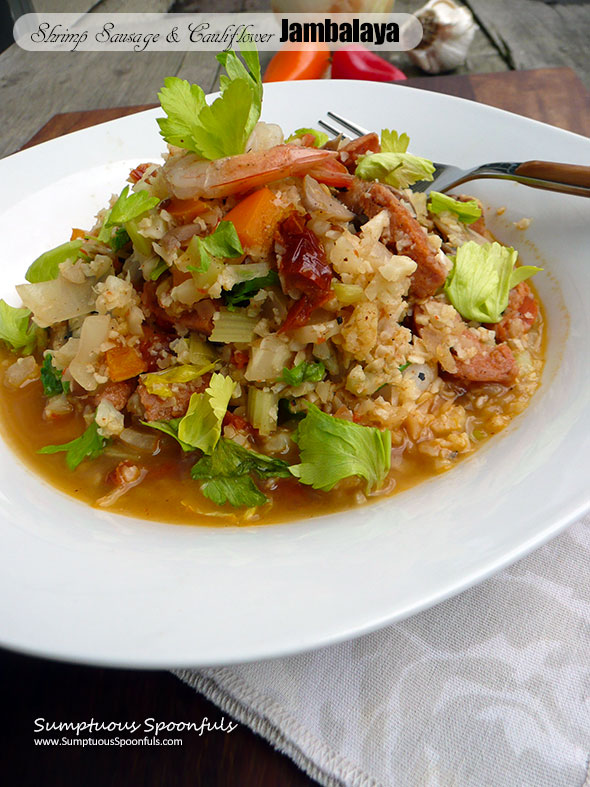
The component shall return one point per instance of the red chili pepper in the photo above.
(354, 61)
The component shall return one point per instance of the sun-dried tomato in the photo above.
(302, 309)
(303, 264)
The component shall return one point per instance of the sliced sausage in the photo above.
(520, 314)
(198, 319)
(460, 350)
(158, 409)
(349, 153)
(116, 393)
(405, 233)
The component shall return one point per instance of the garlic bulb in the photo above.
(448, 31)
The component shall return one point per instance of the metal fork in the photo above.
(550, 175)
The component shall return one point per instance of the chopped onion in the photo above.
(57, 300)
(422, 375)
(319, 200)
(21, 372)
(95, 330)
(267, 359)
(140, 440)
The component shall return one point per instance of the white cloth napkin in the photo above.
(491, 687)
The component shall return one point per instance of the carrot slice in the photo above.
(184, 211)
(256, 217)
(124, 363)
(76, 233)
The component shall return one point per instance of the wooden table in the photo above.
(31, 688)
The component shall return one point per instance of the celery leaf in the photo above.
(332, 449)
(467, 212)
(479, 284)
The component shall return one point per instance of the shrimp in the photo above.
(190, 176)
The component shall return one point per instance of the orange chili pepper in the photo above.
(295, 62)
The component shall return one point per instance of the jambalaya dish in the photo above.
(262, 328)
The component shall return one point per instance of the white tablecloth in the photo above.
(491, 687)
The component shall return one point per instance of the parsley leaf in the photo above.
(249, 71)
(240, 293)
(467, 212)
(394, 165)
(332, 449)
(130, 206)
(182, 103)
(303, 372)
(159, 383)
(223, 129)
(225, 475)
(237, 491)
(200, 427)
(223, 242)
(53, 385)
(88, 446)
(120, 238)
(16, 328)
(399, 170)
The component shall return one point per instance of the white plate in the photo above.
(90, 586)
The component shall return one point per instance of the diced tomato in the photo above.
(239, 359)
(239, 423)
(137, 174)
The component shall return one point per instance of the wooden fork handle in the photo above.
(572, 174)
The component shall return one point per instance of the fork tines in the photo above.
(359, 131)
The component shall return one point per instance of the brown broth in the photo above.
(168, 494)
